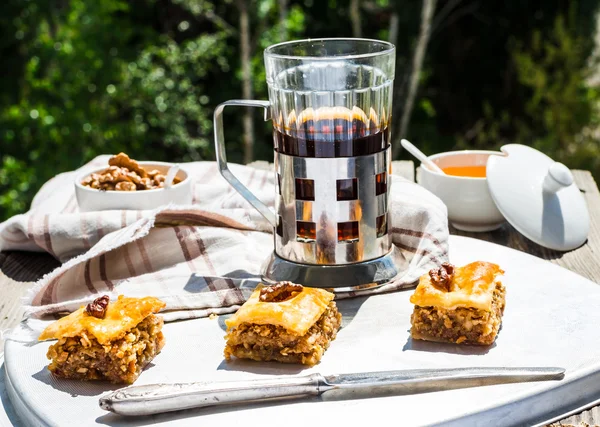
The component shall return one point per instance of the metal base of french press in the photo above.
(338, 278)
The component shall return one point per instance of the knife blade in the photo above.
(158, 398)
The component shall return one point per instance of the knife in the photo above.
(158, 398)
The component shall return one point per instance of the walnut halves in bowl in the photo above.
(126, 174)
(106, 340)
(462, 305)
(129, 185)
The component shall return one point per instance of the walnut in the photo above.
(124, 161)
(279, 292)
(159, 178)
(97, 308)
(107, 186)
(135, 178)
(106, 178)
(125, 174)
(442, 277)
(88, 180)
(125, 186)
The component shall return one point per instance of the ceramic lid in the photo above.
(538, 197)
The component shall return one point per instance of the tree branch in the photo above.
(205, 12)
(422, 42)
(247, 93)
(219, 22)
(393, 29)
(283, 12)
(443, 13)
(458, 13)
(258, 31)
(355, 17)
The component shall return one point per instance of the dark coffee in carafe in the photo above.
(334, 133)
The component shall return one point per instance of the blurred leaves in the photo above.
(83, 78)
(63, 113)
(15, 179)
(164, 90)
(561, 102)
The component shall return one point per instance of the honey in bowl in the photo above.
(466, 171)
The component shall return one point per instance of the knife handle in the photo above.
(157, 398)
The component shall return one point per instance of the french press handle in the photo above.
(222, 157)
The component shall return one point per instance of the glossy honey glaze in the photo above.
(469, 171)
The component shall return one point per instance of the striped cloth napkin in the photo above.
(200, 259)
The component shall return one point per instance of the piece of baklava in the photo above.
(106, 340)
(462, 305)
(286, 322)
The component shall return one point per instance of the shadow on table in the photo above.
(78, 388)
(507, 236)
(115, 420)
(349, 308)
(240, 279)
(436, 347)
(261, 368)
(237, 278)
(22, 266)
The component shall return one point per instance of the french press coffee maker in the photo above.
(330, 101)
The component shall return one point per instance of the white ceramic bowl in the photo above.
(470, 204)
(91, 199)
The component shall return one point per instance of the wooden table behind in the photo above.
(18, 270)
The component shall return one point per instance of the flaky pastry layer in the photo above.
(472, 287)
(121, 315)
(296, 314)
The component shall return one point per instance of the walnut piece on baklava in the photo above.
(286, 322)
(462, 305)
(105, 340)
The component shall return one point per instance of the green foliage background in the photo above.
(82, 78)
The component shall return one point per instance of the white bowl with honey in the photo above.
(463, 188)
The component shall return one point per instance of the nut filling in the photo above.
(461, 325)
(269, 342)
(120, 361)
